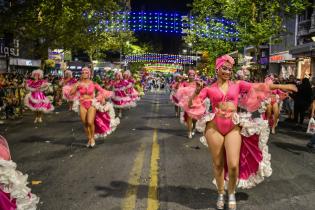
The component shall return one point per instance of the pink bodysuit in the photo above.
(90, 91)
(223, 117)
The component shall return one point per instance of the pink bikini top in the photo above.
(216, 95)
(89, 89)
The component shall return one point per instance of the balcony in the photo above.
(303, 32)
(304, 22)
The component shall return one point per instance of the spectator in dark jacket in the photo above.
(302, 100)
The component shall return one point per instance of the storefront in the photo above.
(304, 68)
(282, 64)
(23, 65)
(305, 55)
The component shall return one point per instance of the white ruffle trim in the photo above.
(128, 105)
(263, 106)
(42, 109)
(76, 106)
(118, 98)
(15, 183)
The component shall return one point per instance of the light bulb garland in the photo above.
(216, 28)
(161, 58)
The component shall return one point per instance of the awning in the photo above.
(305, 50)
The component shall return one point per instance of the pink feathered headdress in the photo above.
(4, 149)
(38, 72)
(221, 60)
(68, 72)
(118, 74)
(127, 73)
(88, 70)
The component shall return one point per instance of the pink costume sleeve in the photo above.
(102, 94)
(4, 149)
(277, 92)
(198, 108)
(203, 93)
(255, 94)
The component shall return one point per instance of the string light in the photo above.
(161, 58)
(218, 28)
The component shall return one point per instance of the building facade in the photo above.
(304, 49)
(281, 62)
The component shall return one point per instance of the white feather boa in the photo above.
(15, 183)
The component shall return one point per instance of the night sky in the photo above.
(163, 42)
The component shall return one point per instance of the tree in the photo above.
(257, 20)
(57, 24)
(211, 47)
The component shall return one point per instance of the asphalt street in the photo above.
(148, 163)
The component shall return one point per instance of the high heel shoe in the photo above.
(220, 202)
(36, 120)
(273, 130)
(88, 144)
(232, 202)
(190, 135)
(92, 144)
(193, 132)
(40, 120)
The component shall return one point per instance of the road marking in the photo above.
(134, 180)
(153, 202)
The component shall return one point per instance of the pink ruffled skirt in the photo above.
(122, 100)
(133, 94)
(37, 101)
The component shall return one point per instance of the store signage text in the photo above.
(277, 58)
(10, 51)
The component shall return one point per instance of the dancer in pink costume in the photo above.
(183, 94)
(274, 106)
(14, 193)
(67, 83)
(174, 87)
(237, 143)
(97, 115)
(121, 99)
(130, 90)
(36, 99)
